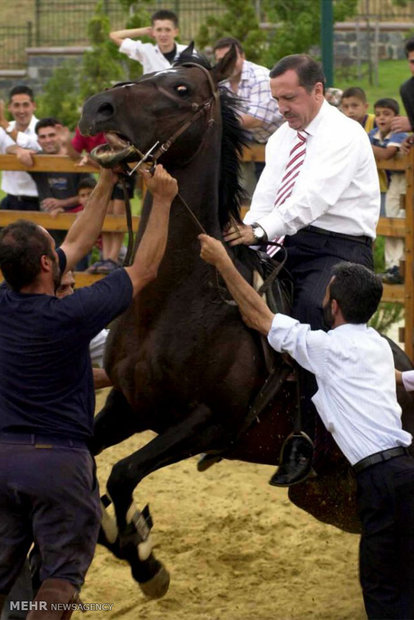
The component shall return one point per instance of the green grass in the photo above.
(391, 74)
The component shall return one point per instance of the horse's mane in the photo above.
(232, 142)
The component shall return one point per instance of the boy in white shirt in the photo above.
(164, 30)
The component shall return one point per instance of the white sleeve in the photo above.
(133, 49)
(408, 380)
(27, 141)
(97, 348)
(5, 141)
(308, 347)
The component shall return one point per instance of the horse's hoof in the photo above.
(157, 586)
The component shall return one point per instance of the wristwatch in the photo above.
(259, 233)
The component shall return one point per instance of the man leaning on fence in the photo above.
(19, 137)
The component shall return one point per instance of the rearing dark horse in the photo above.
(182, 362)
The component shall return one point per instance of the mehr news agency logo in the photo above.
(43, 606)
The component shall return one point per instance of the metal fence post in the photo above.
(29, 34)
(37, 22)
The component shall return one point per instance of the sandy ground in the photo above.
(236, 549)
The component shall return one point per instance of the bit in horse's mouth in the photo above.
(117, 149)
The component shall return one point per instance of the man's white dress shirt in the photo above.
(408, 380)
(16, 182)
(354, 369)
(149, 55)
(337, 188)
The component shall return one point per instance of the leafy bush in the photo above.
(61, 97)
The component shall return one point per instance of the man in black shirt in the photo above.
(46, 393)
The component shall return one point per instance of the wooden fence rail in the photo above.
(389, 227)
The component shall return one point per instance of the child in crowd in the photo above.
(164, 30)
(85, 189)
(354, 104)
(385, 145)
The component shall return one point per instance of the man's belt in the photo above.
(41, 440)
(28, 198)
(379, 457)
(364, 239)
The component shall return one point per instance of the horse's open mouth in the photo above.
(117, 150)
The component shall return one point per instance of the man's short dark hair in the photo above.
(409, 46)
(22, 244)
(354, 91)
(228, 42)
(21, 89)
(165, 14)
(46, 122)
(388, 102)
(357, 290)
(86, 183)
(309, 71)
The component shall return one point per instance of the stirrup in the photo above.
(295, 460)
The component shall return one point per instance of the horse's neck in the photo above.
(195, 208)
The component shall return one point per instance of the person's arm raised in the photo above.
(255, 313)
(144, 269)
(86, 228)
(117, 36)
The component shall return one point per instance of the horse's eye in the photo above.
(181, 89)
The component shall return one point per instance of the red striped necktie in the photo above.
(290, 174)
(292, 170)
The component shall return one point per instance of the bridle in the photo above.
(155, 152)
(197, 110)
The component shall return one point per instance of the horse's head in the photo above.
(171, 109)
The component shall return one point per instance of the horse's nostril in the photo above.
(105, 110)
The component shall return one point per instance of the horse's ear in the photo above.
(189, 51)
(225, 66)
(187, 55)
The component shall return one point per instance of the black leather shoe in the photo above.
(295, 461)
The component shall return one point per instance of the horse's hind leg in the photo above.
(114, 423)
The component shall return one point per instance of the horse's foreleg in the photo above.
(114, 423)
(191, 436)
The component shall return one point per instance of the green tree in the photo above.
(60, 97)
(100, 66)
(297, 28)
(239, 20)
(65, 92)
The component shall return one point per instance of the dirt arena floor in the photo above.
(235, 547)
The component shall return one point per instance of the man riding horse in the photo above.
(319, 190)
